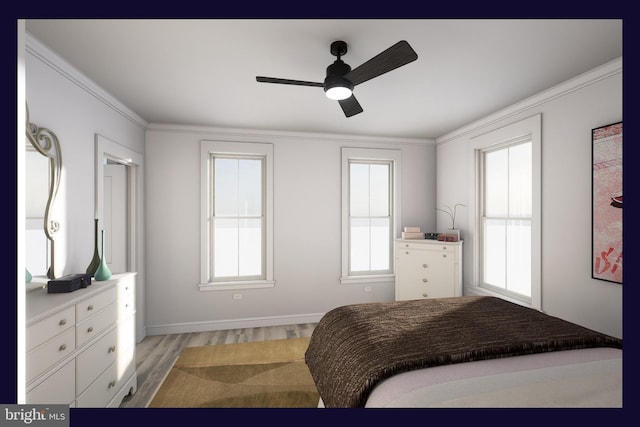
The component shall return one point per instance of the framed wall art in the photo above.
(607, 202)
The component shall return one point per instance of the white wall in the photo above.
(569, 112)
(306, 228)
(75, 109)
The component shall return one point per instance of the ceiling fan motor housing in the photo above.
(335, 73)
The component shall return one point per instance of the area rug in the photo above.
(260, 374)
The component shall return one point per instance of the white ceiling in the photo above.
(202, 71)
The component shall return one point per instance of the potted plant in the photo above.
(452, 214)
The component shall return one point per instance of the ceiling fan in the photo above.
(341, 79)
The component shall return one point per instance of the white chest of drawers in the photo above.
(80, 346)
(427, 269)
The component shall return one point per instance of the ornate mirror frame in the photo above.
(46, 143)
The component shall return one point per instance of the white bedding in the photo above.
(576, 378)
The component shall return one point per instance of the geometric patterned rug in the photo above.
(259, 374)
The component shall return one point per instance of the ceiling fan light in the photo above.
(338, 93)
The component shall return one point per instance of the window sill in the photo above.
(386, 279)
(227, 286)
(479, 290)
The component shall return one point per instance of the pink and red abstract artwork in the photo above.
(607, 203)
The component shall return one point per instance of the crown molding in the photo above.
(583, 80)
(269, 136)
(38, 50)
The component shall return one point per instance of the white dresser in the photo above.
(81, 345)
(427, 269)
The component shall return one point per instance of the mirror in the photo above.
(43, 170)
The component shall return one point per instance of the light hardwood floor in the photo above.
(155, 355)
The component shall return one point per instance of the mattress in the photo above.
(582, 378)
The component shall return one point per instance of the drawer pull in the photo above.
(90, 329)
(444, 255)
(90, 308)
(424, 280)
(407, 253)
(425, 294)
(63, 322)
(63, 347)
(424, 265)
(112, 349)
(112, 384)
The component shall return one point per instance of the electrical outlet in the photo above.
(237, 296)
(368, 289)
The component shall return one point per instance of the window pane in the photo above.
(359, 256)
(519, 256)
(226, 187)
(250, 247)
(359, 189)
(520, 180)
(250, 187)
(369, 211)
(380, 244)
(379, 190)
(225, 248)
(496, 183)
(494, 252)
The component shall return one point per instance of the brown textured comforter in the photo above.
(354, 347)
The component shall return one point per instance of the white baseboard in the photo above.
(220, 325)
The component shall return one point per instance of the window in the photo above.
(370, 189)
(507, 185)
(506, 218)
(236, 215)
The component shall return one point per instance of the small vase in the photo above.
(103, 272)
(454, 233)
(28, 276)
(95, 261)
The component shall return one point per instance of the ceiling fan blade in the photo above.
(287, 81)
(350, 106)
(396, 56)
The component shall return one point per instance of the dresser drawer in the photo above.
(92, 362)
(126, 344)
(49, 353)
(92, 326)
(59, 388)
(425, 246)
(47, 328)
(101, 391)
(90, 306)
(126, 298)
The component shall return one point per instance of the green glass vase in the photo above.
(95, 261)
(103, 272)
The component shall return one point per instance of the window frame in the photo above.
(226, 149)
(509, 135)
(373, 156)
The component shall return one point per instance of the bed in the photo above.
(470, 351)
